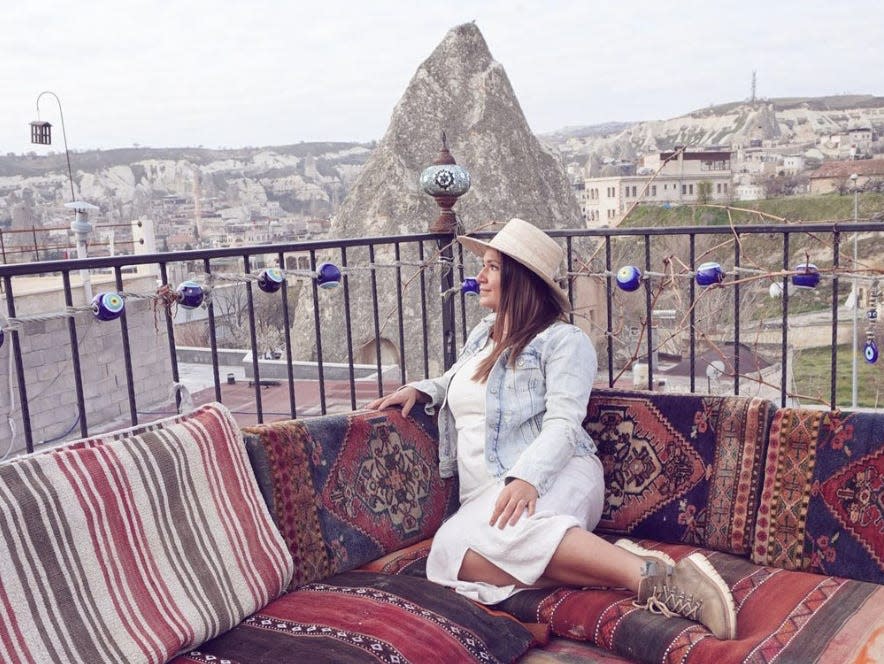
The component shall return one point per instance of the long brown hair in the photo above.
(526, 308)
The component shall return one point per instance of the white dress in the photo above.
(525, 549)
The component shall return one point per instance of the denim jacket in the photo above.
(533, 413)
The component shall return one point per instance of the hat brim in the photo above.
(478, 247)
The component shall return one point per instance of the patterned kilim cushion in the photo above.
(680, 468)
(822, 508)
(367, 617)
(131, 550)
(783, 616)
(348, 489)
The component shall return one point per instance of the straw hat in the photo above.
(528, 245)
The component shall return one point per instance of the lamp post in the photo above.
(854, 383)
(445, 181)
(41, 134)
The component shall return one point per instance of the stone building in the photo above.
(666, 178)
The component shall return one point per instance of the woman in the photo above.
(531, 485)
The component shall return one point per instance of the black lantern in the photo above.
(41, 133)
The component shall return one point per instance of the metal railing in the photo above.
(401, 294)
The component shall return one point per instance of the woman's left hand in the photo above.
(517, 497)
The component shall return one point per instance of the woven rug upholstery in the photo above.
(822, 507)
(783, 616)
(680, 468)
(133, 548)
(345, 490)
(367, 617)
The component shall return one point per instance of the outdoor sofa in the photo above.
(191, 540)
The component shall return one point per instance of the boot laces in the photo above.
(670, 602)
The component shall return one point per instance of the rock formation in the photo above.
(461, 90)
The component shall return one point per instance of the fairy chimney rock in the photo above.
(461, 90)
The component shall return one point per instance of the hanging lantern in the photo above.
(108, 306)
(41, 133)
(470, 287)
(806, 276)
(270, 280)
(190, 294)
(328, 276)
(629, 278)
(709, 274)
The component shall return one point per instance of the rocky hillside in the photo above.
(311, 180)
(799, 123)
(305, 180)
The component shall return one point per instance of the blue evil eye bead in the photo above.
(270, 280)
(190, 294)
(108, 306)
(328, 276)
(806, 276)
(871, 352)
(470, 286)
(629, 278)
(872, 314)
(709, 274)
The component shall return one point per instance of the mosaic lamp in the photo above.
(445, 181)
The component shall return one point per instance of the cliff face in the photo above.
(459, 89)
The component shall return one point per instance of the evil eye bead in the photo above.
(270, 280)
(871, 352)
(629, 278)
(872, 314)
(709, 274)
(470, 287)
(190, 294)
(806, 276)
(108, 306)
(328, 276)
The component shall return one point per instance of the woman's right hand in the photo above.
(405, 396)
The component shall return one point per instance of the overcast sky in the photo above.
(217, 73)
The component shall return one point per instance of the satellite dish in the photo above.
(776, 290)
(715, 369)
(850, 302)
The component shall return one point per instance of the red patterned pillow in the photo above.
(134, 549)
(369, 617)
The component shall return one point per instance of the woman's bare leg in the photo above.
(585, 559)
(581, 559)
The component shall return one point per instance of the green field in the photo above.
(825, 207)
(812, 369)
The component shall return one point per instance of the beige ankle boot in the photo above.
(647, 555)
(693, 590)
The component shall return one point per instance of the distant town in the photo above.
(160, 200)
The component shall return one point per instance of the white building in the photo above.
(666, 178)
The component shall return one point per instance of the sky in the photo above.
(217, 73)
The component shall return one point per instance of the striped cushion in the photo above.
(134, 549)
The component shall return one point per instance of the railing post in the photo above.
(445, 181)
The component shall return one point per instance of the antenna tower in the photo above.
(752, 98)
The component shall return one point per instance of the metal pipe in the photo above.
(854, 384)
